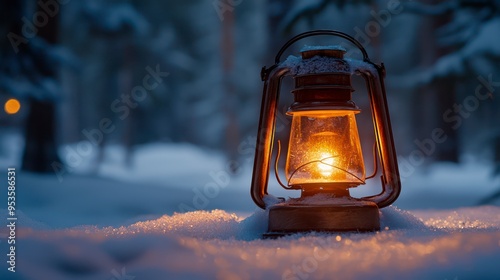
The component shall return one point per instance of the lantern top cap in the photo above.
(327, 51)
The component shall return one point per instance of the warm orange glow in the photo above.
(324, 148)
(12, 106)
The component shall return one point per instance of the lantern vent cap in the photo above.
(318, 60)
(333, 51)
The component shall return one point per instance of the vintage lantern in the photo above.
(324, 158)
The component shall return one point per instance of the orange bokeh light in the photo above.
(12, 106)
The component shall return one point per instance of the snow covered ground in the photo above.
(458, 244)
(119, 222)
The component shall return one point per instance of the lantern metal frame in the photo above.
(391, 186)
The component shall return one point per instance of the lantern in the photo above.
(324, 158)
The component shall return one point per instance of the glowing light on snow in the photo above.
(218, 244)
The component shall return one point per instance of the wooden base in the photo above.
(346, 215)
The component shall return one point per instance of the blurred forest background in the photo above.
(80, 71)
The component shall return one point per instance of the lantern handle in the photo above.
(320, 32)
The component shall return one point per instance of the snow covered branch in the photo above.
(450, 6)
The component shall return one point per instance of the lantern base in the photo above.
(346, 215)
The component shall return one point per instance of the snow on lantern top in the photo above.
(323, 59)
(318, 59)
(331, 47)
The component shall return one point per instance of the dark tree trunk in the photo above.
(40, 150)
(449, 150)
(227, 51)
(497, 150)
(446, 97)
(40, 147)
(126, 85)
(434, 99)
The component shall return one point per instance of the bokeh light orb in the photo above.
(12, 106)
